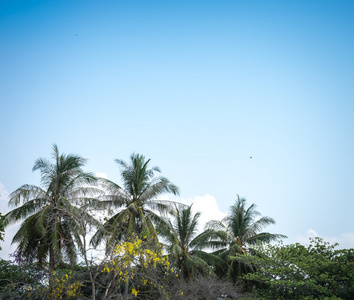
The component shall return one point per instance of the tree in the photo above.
(50, 226)
(295, 271)
(136, 200)
(185, 247)
(137, 267)
(240, 231)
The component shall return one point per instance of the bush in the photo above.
(18, 281)
(317, 271)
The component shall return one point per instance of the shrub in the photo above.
(295, 271)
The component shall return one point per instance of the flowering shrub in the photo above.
(138, 268)
(64, 288)
(19, 280)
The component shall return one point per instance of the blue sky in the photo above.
(198, 87)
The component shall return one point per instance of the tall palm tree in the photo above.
(51, 214)
(136, 200)
(240, 231)
(185, 246)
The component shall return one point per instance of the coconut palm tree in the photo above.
(51, 212)
(241, 229)
(136, 200)
(185, 246)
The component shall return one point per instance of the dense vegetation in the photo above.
(145, 248)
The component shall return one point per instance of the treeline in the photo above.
(83, 237)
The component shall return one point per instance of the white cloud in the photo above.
(345, 240)
(101, 175)
(207, 206)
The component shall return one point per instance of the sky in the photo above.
(249, 98)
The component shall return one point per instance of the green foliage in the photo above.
(185, 246)
(28, 281)
(136, 201)
(17, 281)
(240, 230)
(50, 212)
(317, 271)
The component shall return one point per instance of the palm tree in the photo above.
(185, 247)
(137, 201)
(240, 231)
(50, 212)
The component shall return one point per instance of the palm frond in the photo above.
(265, 237)
(197, 264)
(257, 226)
(136, 197)
(160, 186)
(52, 223)
(209, 258)
(26, 193)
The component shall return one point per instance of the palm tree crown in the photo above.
(185, 246)
(137, 201)
(50, 226)
(241, 230)
(241, 227)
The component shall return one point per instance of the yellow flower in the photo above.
(134, 292)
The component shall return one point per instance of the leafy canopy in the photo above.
(295, 271)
